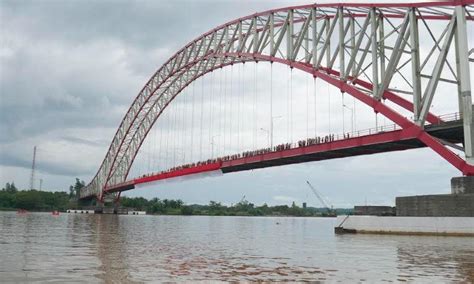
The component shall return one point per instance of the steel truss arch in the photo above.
(332, 42)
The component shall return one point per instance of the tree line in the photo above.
(242, 208)
(34, 200)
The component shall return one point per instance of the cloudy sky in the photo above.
(69, 70)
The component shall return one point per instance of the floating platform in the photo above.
(134, 212)
(107, 210)
(439, 226)
(80, 211)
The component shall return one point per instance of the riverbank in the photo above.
(88, 211)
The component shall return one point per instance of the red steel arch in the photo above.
(259, 37)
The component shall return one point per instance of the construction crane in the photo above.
(241, 202)
(321, 199)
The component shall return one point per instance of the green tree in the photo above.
(30, 200)
(213, 205)
(72, 192)
(216, 208)
(187, 210)
(10, 187)
(7, 199)
(78, 186)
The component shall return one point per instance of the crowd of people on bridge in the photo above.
(281, 147)
(319, 140)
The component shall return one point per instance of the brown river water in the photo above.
(39, 247)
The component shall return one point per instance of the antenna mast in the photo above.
(32, 179)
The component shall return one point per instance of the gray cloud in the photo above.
(11, 160)
(69, 71)
(88, 142)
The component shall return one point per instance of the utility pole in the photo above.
(32, 178)
(41, 184)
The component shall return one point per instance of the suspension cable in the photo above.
(255, 110)
(184, 128)
(173, 108)
(202, 116)
(288, 108)
(220, 106)
(225, 109)
(179, 128)
(192, 122)
(315, 108)
(152, 134)
(239, 94)
(376, 122)
(178, 124)
(343, 120)
(171, 134)
(307, 107)
(354, 114)
(148, 146)
(243, 102)
(271, 104)
(230, 106)
(167, 139)
(160, 155)
(211, 97)
(329, 110)
(291, 105)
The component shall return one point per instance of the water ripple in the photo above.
(136, 249)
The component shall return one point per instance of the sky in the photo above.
(69, 70)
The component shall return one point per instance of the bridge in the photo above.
(371, 53)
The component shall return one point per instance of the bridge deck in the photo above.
(381, 142)
(364, 145)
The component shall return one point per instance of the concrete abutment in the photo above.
(462, 185)
(460, 203)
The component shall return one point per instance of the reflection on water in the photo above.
(109, 248)
(110, 239)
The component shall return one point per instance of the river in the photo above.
(134, 249)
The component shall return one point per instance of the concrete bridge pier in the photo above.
(99, 207)
(462, 185)
(110, 205)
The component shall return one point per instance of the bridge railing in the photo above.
(328, 138)
(392, 127)
(450, 117)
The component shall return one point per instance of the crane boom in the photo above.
(318, 196)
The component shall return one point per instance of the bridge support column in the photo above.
(462, 185)
(464, 82)
(99, 207)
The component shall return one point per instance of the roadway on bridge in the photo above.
(361, 143)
